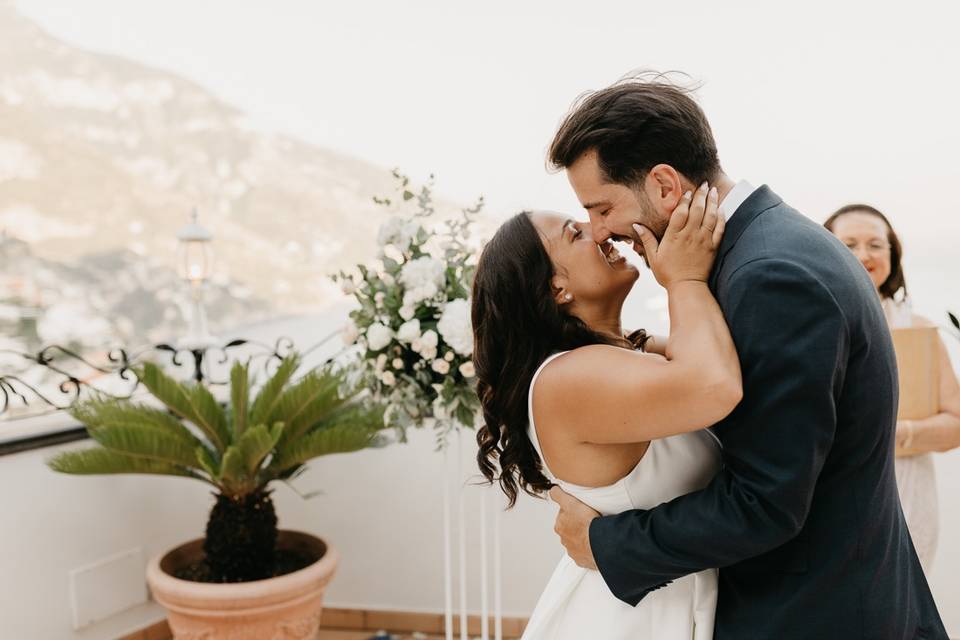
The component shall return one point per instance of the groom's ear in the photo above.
(664, 186)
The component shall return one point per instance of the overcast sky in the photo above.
(828, 102)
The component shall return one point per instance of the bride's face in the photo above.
(585, 271)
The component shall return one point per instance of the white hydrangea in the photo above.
(398, 232)
(409, 331)
(378, 336)
(407, 311)
(422, 278)
(455, 326)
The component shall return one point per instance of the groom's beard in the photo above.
(651, 221)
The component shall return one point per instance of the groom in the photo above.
(804, 519)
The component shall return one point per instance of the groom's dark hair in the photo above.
(641, 121)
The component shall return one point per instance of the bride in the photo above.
(618, 422)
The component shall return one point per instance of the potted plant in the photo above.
(245, 578)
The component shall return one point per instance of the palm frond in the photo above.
(231, 476)
(207, 462)
(100, 461)
(256, 444)
(352, 434)
(242, 461)
(194, 403)
(269, 394)
(145, 442)
(111, 412)
(306, 403)
(239, 398)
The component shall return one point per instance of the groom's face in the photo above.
(613, 208)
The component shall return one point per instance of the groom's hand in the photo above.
(573, 527)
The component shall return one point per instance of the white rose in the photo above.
(441, 366)
(409, 331)
(350, 332)
(398, 363)
(378, 336)
(388, 378)
(430, 339)
(428, 353)
(347, 286)
(455, 327)
(407, 311)
(381, 361)
(448, 356)
(467, 369)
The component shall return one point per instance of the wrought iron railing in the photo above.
(68, 373)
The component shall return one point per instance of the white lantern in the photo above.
(195, 265)
(195, 253)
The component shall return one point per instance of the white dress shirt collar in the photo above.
(736, 197)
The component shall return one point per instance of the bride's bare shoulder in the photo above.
(590, 364)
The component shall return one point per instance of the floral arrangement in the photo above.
(412, 332)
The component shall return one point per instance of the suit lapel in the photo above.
(759, 201)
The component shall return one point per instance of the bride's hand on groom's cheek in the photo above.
(689, 244)
(573, 527)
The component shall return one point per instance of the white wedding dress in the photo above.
(576, 603)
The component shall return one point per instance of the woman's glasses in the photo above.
(873, 248)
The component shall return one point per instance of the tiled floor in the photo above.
(362, 625)
(365, 635)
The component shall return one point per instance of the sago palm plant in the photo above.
(239, 450)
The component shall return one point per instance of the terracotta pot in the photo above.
(284, 608)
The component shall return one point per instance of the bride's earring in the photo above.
(568, 297)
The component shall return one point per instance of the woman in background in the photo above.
(869, 235)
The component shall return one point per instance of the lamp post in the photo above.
(195, 265)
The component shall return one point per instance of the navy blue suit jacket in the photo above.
(804, 520)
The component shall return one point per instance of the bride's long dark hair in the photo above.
(516, 325)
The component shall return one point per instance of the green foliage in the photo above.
(239, 398)
(190, 402)
(292, 423)
(418, 383)
(100, 461)
(265, 403)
